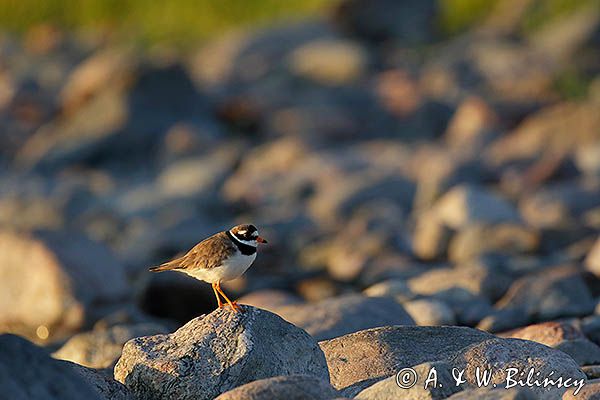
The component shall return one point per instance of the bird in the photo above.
(221, 257)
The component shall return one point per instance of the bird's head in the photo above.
(247, 234)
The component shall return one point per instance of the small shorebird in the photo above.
(222, 257)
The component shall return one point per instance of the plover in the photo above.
(222, 257)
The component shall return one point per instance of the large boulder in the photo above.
(291, 387)
(360, 359)
(52, 283)
(217, 352)
(477, 279)
(469, 204)
(517, 357)
(345, 314)
(27, 372)
(551, 293)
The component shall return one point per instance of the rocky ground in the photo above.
(429, 202)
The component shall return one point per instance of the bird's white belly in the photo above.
(230, 269)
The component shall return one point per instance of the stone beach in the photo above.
(430, 201)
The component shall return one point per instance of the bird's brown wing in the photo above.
(207, 254)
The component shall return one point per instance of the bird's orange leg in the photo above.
(233, 304)
(214, 286)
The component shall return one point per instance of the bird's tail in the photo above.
(166, 266)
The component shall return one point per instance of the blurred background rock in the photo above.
(442, 154)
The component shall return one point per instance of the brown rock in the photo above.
(562, 336)
(499, 355)
(54, 282)
(591, 391)
(360, 359)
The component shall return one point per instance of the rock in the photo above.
(547, 132)
(591, 391)
(431, 237)
(429, 312)
(503, 320)
(102, 382)
(562, 336)
(257, 180)
(28, 372)
(269, 299)
(498, 355)
(513, 70)
(591, 371)
(471, 125)
(398, 92)
(335, 201)
(561, 39)
(477, 240)
(590, 326)
(468, 308)
(587, 159)
(319, 288)
(371, 233)
(557, 205)
(396, 288)
(394, 266)
(73, 139)
(332, 62)
(408, 21)
(35, 211)
(485, 393)
(474, 278)
(445, 170)
(200, 175)
(552, 293)
(389, 389)
(348, 256)
(118, 120)
(345, 314)
(101, 348)
(69, 280)
(214, 61)
(467, 204)
(292, 387)
(360, 359)
(103, 68)
(226, 349)
(592, 260)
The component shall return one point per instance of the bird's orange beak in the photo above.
(261, 240)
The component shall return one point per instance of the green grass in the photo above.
(185, 22)
(459, 15)
(176, 22)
